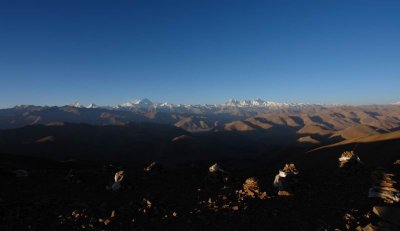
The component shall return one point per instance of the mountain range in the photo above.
(147, 104)
(244, 115)
(236, 127)
(69, 155)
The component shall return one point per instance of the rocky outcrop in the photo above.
(251, 189)
(286, 180)
(349, 161)
(384, 186)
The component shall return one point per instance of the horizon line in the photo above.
(76, 103)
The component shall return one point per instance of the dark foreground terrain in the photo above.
(185, 197)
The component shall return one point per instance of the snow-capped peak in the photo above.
(92, 105)
(256, 103)
(75, 104)
(127, 104)
(396, 103)
(144, 102)
(166, 104)
(231, 102)
(147, 104)
(137, 103)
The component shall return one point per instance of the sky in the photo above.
(199, 51)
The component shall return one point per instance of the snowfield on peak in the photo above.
(258, 103)
(79, 105)
(232, 103)
(92, 105)
(76, 104)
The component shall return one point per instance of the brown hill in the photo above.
(315, 130)
(359, 130)
(336, 118)
(376, 150)
(308, 139)
(279, 119)
(368, 139)
(195, 124)
(240, 126)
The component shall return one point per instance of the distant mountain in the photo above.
(149, 105)
(235, 128)
(139, 103)
(76, 104)
(234, 115)
(92, 105)
(259, 103)
(79, 105)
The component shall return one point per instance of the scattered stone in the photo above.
(147, 203)
(354, 219)
(368, 227)
(147, 206)
(389, 214)
(75, 214)
(218, 180)
(119, 176)
(251, 189)
(21, 173)
(286, 180)
(349, 160)
(284, 193)
(383, 186)
(153, 168)
(106, 221)
(216, 169)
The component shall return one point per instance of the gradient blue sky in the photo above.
(199, 51)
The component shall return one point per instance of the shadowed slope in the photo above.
(131, 142)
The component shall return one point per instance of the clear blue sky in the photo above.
(199, 51)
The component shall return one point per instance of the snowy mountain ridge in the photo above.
(146, 103)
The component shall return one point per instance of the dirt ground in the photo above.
(180, 197)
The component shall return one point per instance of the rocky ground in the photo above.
(180, 197)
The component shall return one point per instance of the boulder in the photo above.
(118, 177)
(286, 180)
(153, 168)
(383, 186)
(216, 168)
(251, 189)
(349, 160)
